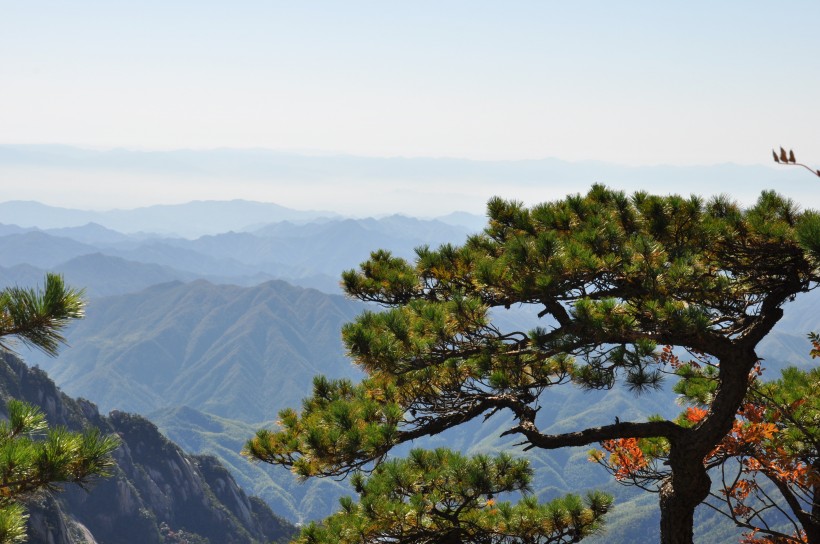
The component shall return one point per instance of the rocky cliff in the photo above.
(158, 494)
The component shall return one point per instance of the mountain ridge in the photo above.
(193, 218)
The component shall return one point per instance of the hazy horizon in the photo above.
(604, 89)
(99, 180)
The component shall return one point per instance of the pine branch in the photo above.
(37, 317)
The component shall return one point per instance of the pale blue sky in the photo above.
(634, 83)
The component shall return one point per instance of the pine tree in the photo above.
(37, 317)
(33, 457)
(612, 277)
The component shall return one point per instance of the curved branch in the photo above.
(592, 435)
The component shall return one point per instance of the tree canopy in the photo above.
(444, 497)
(611, 276)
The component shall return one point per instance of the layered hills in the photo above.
(311, 255)
(158, 341)
(191, 219)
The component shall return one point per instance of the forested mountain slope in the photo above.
(155, 491)
(232, 351)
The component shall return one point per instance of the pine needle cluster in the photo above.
(444, 497)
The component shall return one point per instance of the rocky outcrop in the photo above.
(157, 494)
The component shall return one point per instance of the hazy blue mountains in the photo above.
(38, 249)
(92, 233)
(101, 275)
(309, 254)
(191, 219)
(315, 254)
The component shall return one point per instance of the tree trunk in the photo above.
(679, 496)
(677, 518)
(812, 533)
(689, 483)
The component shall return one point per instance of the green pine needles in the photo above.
(443, 497)
(37, 317)
(34, 457)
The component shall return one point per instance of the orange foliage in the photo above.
(695, 414)
(752, 439)
(626, 457)
(751, 538)
(666, 356)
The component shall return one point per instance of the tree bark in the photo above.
(812, 533)
(679, 496)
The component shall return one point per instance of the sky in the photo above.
(631, 83)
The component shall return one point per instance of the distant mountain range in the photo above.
(311, 254)
(424, 187)
(191, 219)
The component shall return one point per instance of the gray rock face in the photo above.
(158, 494)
